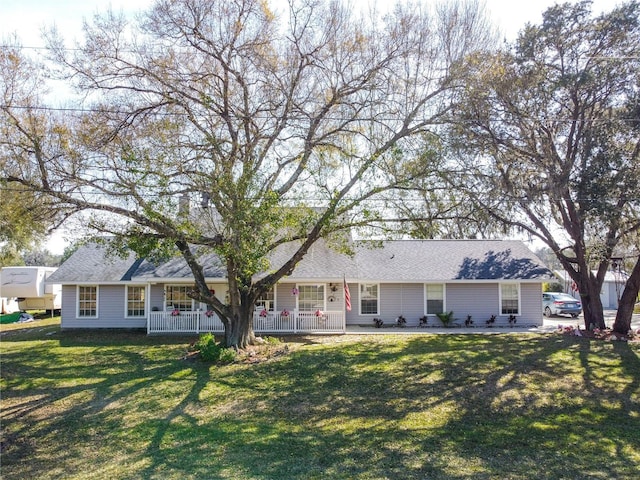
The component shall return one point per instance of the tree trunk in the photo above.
(624, 315)
(589, 287)
(238, 331)
(591, 304)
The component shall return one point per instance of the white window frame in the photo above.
(267, 303)
(444, 298)
(360, 287)
(324, 294)
(78, 309)
(167, 307)
(519, 290)
(144, 301)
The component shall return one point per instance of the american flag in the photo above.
(347, 295)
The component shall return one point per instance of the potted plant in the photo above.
(446, 318)
(401, 321)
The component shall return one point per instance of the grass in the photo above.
(79, 405)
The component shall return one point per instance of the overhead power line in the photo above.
(71, 49)
(435, 121)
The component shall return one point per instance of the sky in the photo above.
(26, 18)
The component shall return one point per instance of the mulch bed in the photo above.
(606, 334)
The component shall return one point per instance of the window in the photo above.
(509, 299)
(311, 298)
(135, 301)
(435, 298)
(266, 301)
(87, 301)
(176, 297)
(369, 299)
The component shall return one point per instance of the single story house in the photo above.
(415, 279)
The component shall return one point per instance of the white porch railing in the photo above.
(273, 322)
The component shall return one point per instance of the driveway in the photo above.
(609, 318)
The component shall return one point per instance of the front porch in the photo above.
(263, 322)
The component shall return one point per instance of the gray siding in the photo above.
(284, 299)
(335, 299)
(531, 308)
(352, 317)
(111, 309)
(68, 310)
(156, 298)
(478, 300)
(482, 300)
(395, 299)
(402, 299)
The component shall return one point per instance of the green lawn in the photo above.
(122, 405)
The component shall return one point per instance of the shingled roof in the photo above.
(93, 263)
(449, 260)
(395, 261)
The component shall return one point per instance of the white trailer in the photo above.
(28, 285)
(8, 305)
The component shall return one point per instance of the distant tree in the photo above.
(41, 257)
(231, 128)
(26, 216)
(70, 250)
(549, 134)
(553, 287)
(549, 258)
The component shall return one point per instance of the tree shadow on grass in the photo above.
(498, 411)
(79, 399)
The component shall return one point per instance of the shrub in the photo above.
(210, 351)
(227, 355)
(552, 287)
(208, 348)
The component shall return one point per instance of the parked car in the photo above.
(555, 303)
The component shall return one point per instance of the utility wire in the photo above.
(71, 49)
(265, 116)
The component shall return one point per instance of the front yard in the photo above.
(79, 405)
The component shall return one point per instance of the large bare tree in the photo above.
(549, 134)
(279, 125)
